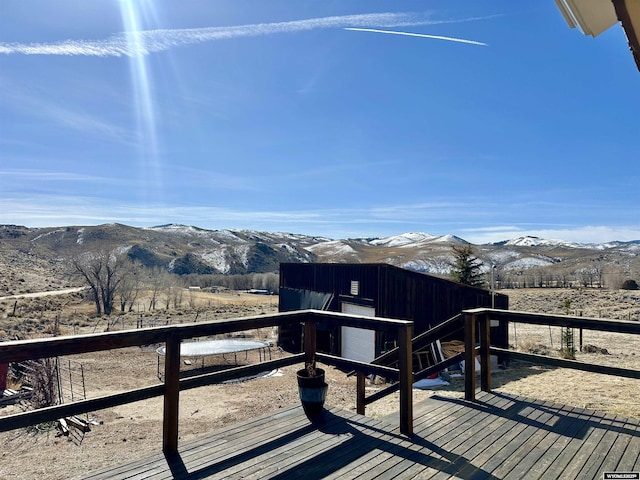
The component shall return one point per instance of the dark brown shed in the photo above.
(376, 289)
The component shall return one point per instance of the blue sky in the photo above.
(297, 116)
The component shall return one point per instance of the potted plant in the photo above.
(312, 389)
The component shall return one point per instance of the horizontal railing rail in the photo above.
(172, 336)
(565, 363)
(587, 323)
(362, 367)
(20, 350)
(477, 326)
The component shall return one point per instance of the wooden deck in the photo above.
(497, 437)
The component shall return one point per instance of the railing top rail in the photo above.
(587, 323)
(362, 321)
(20, 350)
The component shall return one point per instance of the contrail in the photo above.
(409, 34)
(152, 41)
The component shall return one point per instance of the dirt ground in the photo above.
(134, 430)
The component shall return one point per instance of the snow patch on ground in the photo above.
(403, 239)
(228, 235)
(527, 262)
(448, 239)
(224, 235)
(42, 235)
(243, 252)
(434, 266)
(217, 259)
(333, 247)
(541, 242)
(291, 250)
(500, 257)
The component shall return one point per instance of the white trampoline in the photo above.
(224, 347)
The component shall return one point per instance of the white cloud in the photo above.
(20, 175)
(152, 41)
(66, 117)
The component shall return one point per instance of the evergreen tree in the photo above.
(466, 266)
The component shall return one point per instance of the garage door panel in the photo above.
(358, 343)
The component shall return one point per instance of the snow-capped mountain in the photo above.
(188, 249)
(413, 239)
(530, 241)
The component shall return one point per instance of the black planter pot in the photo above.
(313, 391)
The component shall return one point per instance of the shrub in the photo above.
(630, 285)
(568, 349)
(531, 346)
(42, 376)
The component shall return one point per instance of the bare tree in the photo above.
(156, 283)
(177, 297)
(130, 287)
(587, 276)
(103, 274)
(265, 281)
(598, 272)
(172, 289)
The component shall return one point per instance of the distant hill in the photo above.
(186, 249)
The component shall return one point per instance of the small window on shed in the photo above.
(355, 287)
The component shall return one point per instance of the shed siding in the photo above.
(393, 292)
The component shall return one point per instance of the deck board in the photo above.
(577, 453)
(601, 450)
(534, 462)
(498, 436)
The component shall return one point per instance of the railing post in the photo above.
(360, 393)
(485, 355)
(405, 366)
(309, 342)
(171, 394)
(469, 356)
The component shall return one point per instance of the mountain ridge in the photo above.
(184, 249)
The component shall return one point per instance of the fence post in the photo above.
(405, 366)
(171, 394)
(469, 356)
(485, 355)
(581, 335)
(360, 393)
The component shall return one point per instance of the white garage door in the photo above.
(358, 343)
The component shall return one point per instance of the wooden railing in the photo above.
(420, 341)
(477, 326)
(172, 336)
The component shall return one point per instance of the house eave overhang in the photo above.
(592, 17)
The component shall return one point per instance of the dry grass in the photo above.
(589, 390)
